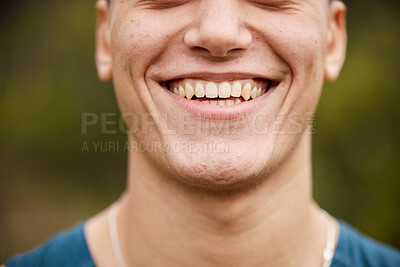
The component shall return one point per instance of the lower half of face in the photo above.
(216, 112)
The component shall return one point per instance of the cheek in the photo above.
(136, 41)
(299, 45)
(139, 38)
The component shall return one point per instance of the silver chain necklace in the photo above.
(327, 255)
(112, 227)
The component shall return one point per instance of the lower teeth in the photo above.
(221, 102)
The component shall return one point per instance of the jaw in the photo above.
(228, 172)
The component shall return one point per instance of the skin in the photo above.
(252, 204)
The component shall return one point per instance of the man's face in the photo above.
(259, 64)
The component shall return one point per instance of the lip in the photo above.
(213, 112)
(218, 77)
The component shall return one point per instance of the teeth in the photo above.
(189, 91)
(211, 90)
(230, 102)
(181, 91)
(227, 102)
(236, 89)
(224, 90)
(259, 91)
(263, 90)
(199, 90)
(246, 91)
(253, 93)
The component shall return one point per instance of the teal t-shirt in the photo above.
(70, 248)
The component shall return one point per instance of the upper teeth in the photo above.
(246, 89)
(189, 92)
(211, 90)
(199, 90)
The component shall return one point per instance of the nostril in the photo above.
(215, 52)
(199, 48)
(218, 41)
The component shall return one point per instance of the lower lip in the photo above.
(214, 112)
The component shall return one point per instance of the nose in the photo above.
(218, 29)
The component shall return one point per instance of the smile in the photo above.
(224, 93)
(223, 96)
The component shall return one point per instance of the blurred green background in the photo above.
(48, 79)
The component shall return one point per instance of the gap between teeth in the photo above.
(219, 91)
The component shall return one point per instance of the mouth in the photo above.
(223, 96)
(224, 93)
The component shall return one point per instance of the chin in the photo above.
(219, 173)
(242, 167)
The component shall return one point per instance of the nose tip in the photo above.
(218, 44)
(218, 34)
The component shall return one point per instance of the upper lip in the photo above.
(217, 77)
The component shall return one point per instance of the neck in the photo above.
(276, 223)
